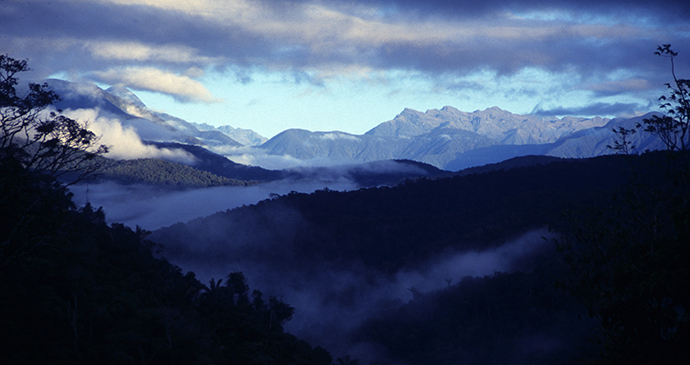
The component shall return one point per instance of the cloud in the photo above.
(181, 88)
(165, 46)
(619, 86)
(136, 51)
(124, 142)
(253, 156)
(595, 109)
(376, 35)
(152, 208)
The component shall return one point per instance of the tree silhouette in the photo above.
(622, 143)
(39, 139)
(673, 127)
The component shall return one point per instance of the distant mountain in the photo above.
(211, 169)
(454, 140)
(446, 138)
(583, 143)
(246, 137)
(497, 124)
(216, 164)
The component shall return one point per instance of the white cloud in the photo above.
(124, 142)
(338, 135)
(182, 88)
(137, 51)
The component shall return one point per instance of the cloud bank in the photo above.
(433, 37)
(124, 142)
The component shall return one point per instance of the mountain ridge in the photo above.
(446, 138)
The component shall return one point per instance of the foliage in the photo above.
(629, 260)
(37, 139)
(622, 143)
(673, 127)
(93, 293)
(162, 173)
(629, 266)
(515, 318)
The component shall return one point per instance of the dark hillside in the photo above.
(226, 172)
(389, 228)
(352, 256)
(349, 256)
(74, 290)
(162, 173)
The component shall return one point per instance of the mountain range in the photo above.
(445, 138)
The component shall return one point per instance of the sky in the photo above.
(349, 65)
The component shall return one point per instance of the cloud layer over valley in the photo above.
(151, 208)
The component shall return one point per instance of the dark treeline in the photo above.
(504, 318)
(391, 228)
(76, 290)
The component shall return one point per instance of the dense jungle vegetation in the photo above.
(614, 288)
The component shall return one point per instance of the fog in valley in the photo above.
(331, 299)
(150, 207)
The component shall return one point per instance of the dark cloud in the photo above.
(596, 109)
(668, 10)
(435, 38)
(230, 44)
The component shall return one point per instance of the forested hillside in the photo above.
(353, 247)
(162, 173)
(389, 224)
(534, 260)
(74, 290)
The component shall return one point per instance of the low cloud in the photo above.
(619, 86)
(124, 142)
(257, 157)
(137, 51)
(153, 208)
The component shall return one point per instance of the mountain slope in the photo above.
(246, 137)
(120, 104)
(389, 224)
(161, 174)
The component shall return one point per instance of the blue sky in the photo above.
(349, 65)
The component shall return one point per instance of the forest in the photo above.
(608, 284)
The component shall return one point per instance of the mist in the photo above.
(335, 303)
(151, 207)
(333, 299)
